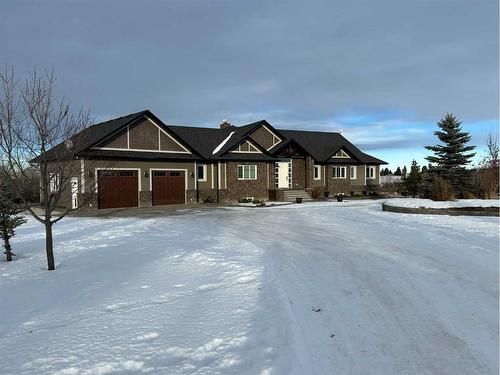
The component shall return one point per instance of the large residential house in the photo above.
(153, 163)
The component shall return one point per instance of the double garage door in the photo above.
(120, 188)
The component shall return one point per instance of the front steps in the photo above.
(291, 195)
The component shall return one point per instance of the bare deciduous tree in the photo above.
(39, 132)
(487, 175)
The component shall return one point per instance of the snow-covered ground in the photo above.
(428, 203)
(318, 288)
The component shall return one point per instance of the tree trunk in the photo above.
(8, 249)
(49, 245)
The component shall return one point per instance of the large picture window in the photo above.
(247, 172)
(339, 172)
(370, 172)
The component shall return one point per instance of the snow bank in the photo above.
(428, 203)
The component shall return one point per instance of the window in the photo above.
(341, 154)
(317, 172)
(339, 172)
(353, 172)
(54, 181)
(246, 147)
(175, 174)
(202, 172)
(247, 172)
(370, 172)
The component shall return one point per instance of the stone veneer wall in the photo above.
(237, 189)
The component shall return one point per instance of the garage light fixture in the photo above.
(146, 174)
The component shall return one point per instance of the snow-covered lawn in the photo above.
(428, 203)
(319, 288)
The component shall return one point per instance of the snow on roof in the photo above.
(218, 148)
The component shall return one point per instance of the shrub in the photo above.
(441, 190)
(486, 182)
(318, 192)
(245, 200)
(208, 198)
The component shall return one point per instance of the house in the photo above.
(156, 164)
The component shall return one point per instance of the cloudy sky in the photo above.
(383, 72)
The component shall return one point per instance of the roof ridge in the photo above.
(308, 131)
(121, 117)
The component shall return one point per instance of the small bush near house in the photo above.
(318, 192)
(246, 200)
(208, 198)
(441, 190)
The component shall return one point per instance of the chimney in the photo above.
(225, 124)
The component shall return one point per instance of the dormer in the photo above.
(266, 137)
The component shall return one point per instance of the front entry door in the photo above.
(283, 175)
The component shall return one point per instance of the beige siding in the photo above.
(143, 166)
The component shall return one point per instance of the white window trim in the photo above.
(344, 155)
(319, 172)
(355, 169)
(345, 172)
(371, 167)
(169, 169)
(204, 179)
(54, 182)
(246, 165)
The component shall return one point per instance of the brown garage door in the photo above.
(117, 189)
(169, 187)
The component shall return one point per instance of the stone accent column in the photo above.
(145, 198)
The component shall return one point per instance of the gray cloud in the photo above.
(197, 62)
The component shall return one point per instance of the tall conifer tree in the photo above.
(453, 154)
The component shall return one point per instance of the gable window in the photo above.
(247, 172)
(370, 172)
(339, 172)
(317, 172)
(246, 147)
(341, 154)
(353, 172)
(202, 172)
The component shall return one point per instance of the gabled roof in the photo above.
(215, 143)
(93, 134)
(323, 145)
(242, 133)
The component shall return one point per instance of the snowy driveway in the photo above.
(303, 289)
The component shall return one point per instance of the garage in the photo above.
(117, 188)
(169, 187)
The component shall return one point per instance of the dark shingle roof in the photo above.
(322, 145)
(203, 141)
(93, 134)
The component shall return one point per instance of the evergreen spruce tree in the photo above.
(398, 172)
(453, 154)
(404, 171)
(413, 181)
(9, 215)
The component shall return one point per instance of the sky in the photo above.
(382, 72)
